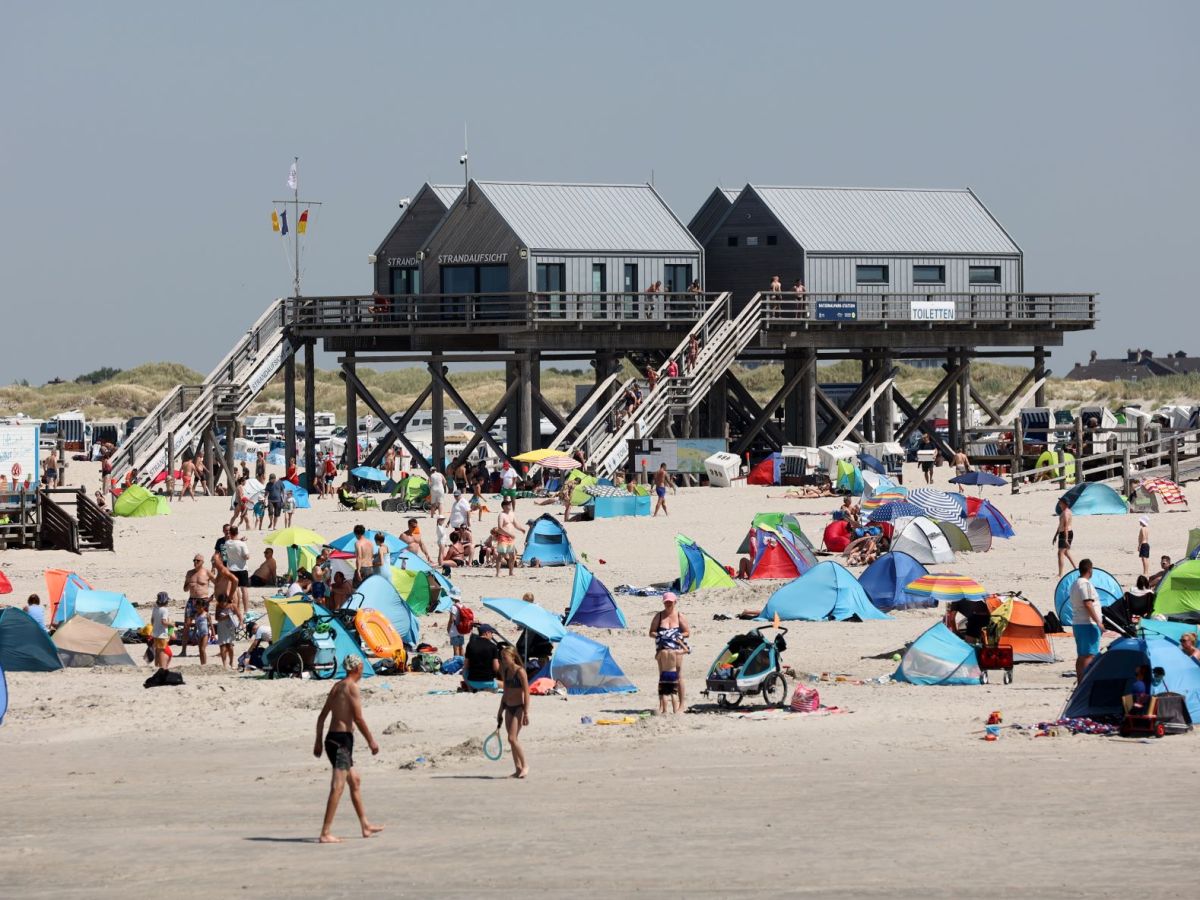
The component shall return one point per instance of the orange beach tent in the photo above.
(1025, 630)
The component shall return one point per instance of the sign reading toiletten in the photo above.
(932, 310)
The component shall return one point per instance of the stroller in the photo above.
(311, 646)
(749, 664)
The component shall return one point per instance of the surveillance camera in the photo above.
(462, 160)
(404, 201)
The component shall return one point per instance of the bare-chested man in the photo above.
(188, 470)
(661, 479)
(412, 540)
(343, 707)
(507, 527)
(198, 585)
(362, 555)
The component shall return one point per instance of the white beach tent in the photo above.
(921, 539)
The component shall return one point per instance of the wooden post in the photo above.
(1174, 458)
(231, 431)
(1018, 445)
(351, 417)
(525, 392)
(210, 444)
(1079, 449)
(289, 410)
(952, 418)
(1062, 467)
(310, 413)
(1125, 475)
(1039, 370)
(808, 400)
(437, 410)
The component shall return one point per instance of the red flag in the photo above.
(302, 225)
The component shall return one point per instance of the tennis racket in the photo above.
(493, 747)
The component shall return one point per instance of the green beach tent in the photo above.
(136, 502)
(412, 488)
(697, 569)
(1178, 593)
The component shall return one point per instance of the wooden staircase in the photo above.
(88, 527)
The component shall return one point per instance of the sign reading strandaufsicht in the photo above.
(932, 311)
(471, 259)
(837, 310)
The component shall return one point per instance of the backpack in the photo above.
(466, 619)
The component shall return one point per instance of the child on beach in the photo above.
(226, 629)
(668, 680)
(1143, 544)
(260, 512)
(289, 507)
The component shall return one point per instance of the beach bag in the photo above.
(805, 698)
(453, 665)
(426, 662)
(466, 619)
(163, 678)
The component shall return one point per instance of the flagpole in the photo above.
(296, 224)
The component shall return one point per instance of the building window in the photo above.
(731, 241)
(752, 241)
(871, 274)
(929, 274)
(405, 280)
(772, 240)
(676, 278)
(984, 275)
(599, 287)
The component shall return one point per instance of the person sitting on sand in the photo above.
(514, 706)
(266, 573)
(850, 512)
(343, 707)
(1164, 566)
(339, 591)
(806, 492)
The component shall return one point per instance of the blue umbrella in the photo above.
(528, 615)
(898, 509)
(370, 473)
(346, 542)
(867, 461)
(979, 478)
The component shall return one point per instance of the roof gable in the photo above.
(887, 220)
(443, 194)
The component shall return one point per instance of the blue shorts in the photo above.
(457, 640)
(661, 491)
(1087, 639)
(480, 685)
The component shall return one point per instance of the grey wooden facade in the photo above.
(711, 212)
(403, 245)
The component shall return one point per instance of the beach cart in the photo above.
(749, 664)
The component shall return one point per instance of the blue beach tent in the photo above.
(299, 494)
(939, 656)
(826, 591)
(885, 581)
(529, 616)
(584, 666)
(697, 569)
(996, 520)
(1111, 674)
(377, 592)
(344, 643)
(106, 607)
(1106, 587)
(24, 645)
(1094, 499)
(592, 603)
(3, 696)
(547, 542)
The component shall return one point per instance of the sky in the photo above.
(143, 143)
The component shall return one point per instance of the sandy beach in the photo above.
(211, 788)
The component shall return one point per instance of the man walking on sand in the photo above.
(1086, 622)
(507, 527)
(1064, 536)
(363, 551)
(661, 478)
(343, 707)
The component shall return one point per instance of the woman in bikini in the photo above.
(670, 632)
(514, 706)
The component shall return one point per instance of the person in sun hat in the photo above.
(1143, 544)
(670, 631)
(160, 630)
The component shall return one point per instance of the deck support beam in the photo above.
(289, 409)
(786, 390)
(353, 384)
(351, 453)
(310, 413)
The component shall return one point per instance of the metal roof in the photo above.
(447, 193)
(731, 194)
(589, 217)
(887, 220)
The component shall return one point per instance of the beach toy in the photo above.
(895, 657)
(992, 733)
(493, 747)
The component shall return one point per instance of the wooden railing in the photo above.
(95, 525)
(58, 527)
(931, 310)
(21, 509)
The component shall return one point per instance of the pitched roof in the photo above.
(445, 193)
(887, 220)
(1132, 370)
(595, 217)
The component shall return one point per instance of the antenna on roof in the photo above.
(464, 162)
(651, 178)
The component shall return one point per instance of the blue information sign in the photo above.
(837, 310)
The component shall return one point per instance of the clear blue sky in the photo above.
(143, 142)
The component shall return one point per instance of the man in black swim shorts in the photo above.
(343, 707)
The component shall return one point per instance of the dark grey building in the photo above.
(861, 240)
(711, 212)
(397, 261)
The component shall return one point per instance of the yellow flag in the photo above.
(274, 220)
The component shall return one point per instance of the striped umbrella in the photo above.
(897, 509)
(939, 505)
(946, 587)
(559, 463)
(888, 496)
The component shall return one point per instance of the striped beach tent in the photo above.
(887, 495)
(1158, 495)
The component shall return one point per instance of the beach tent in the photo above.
(1020, 625)
(767, 471)
(1112, 673)
(5, 584)
(592, 603)
(546, 541)
(826, 591)
(1050, 458)
(1178, 594)
(1193, 544)
(412, 488)
(1158, 495)
(24, 646)
(1107, 589)
(82, 643)
(777, 555)
(979, 534)
(986, 510)
(1094, 499)
(941, 506)
(286, 614)
(412, 586)
(3, 695)
(697, 569)
(956, 537)
(921, 539)
(299, 494)
(1168, 629)
(377, 592)
(581, 482)
(136, 502)
(837, 536)
(785, 523)
(584, 666)
(885, 581)
(849, 477)
(344, 643)
(407, 560)
(939, 656)
(106, 607)
(529, 616)
(62, 587)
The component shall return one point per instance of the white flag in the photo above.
(292, 180)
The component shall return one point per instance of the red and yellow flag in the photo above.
(302, 225)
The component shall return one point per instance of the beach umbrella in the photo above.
(345, 543)
(285, 537)
(536, 456)
(890, 495)
(370, 473)
(897, 509)
(867, 461)
(939, 505)
(980, 478)
(559, 463)
(528, 615)
(946, 587)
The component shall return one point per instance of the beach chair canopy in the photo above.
(939, 656)
(827, 591)
(546, 541)
(1107, 589)
(584, 666)
(24, 645)
(82, 643)
(1158, 495)
(1111, 675)
(592, 603)
(1178, 594)
(1094, 499)
(697, 569)
(886, 580)
(766, 471)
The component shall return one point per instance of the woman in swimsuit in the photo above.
(514, 705)
(670, 632)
